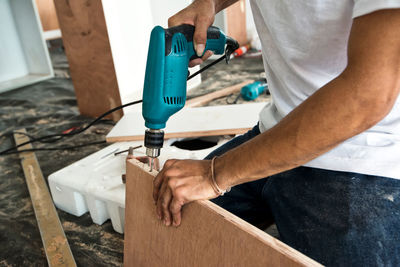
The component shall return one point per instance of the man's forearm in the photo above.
(222, 4)
(350, 104)
(326, 119)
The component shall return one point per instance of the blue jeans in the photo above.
(336, 218)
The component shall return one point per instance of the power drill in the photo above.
(253, 90)
(164, 92)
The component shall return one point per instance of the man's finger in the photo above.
(157, 184)
(195, 62)
(160, 178)
(165, 200)
(200, 35)
(175, 209)
(206, 55)
(159, 206)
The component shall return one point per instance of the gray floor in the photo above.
(50, 107)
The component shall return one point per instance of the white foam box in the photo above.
(94, 183)
(24, 57)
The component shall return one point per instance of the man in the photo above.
(329, 143)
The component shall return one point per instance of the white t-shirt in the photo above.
(304, 45)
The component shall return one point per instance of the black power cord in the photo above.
(56, 137)
(56, 148)
(60, 136)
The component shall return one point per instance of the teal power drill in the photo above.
(164, 93)
(254, 89)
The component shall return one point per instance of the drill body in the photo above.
(164, 93)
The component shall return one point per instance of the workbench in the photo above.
(50, 107)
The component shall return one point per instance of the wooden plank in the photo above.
(88, 51)
(208, 235)
(201, 100)
(55, 243)
(47, 13)
(192, 122)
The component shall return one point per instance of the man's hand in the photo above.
(201, 15)
(180, 182)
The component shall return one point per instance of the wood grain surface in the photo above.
(88, 51)
(55, 243)
(47, 13)
(208, 236)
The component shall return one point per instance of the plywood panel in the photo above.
(47, 13)
(208, 236)
(192, 122)
(88, 51)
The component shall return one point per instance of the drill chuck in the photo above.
(153, 141)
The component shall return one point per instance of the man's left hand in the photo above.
(178, 183)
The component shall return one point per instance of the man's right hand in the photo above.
(200, 14)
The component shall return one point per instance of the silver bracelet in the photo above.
(214, 184)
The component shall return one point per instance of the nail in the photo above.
(200, 49)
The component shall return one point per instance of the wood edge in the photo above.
(276, 244)
(113, 139)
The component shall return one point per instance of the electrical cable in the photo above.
(206, 67)
(56, 148)
(78, 131)
(57, 137)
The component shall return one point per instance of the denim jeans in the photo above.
(336, 218)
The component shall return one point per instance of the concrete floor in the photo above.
(50, 107)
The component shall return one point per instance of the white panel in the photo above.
(24, 58)
(30, 34)
(192, 120)
(12, 58)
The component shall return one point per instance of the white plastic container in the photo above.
(24, 57)
(95, 184)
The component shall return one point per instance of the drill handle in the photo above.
(216, 40)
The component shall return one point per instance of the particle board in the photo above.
(192, 122)
(55, 243)
(208, 235)
(87, 47)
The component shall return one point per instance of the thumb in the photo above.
(200, 35)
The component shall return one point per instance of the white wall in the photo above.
(129, 24)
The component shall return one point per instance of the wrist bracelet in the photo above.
(214, 184)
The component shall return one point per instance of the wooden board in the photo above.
(201, 100)
(55, 243)
(236, 22)
(88, 51)
(47, 13)
(192, 122)
(208, 236)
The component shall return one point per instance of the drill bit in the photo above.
(151, 164)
